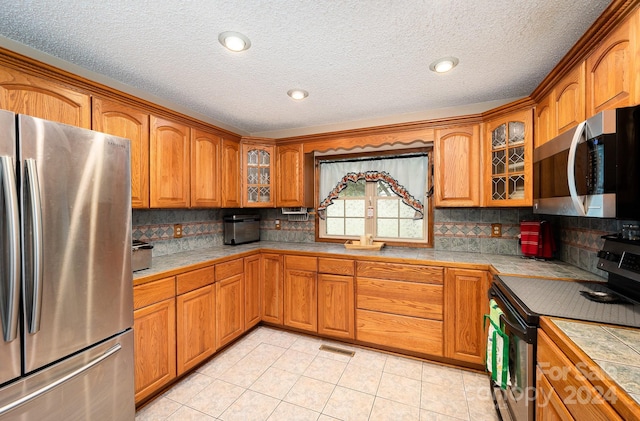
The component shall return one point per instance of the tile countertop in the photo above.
(616, 350)
(514, 265)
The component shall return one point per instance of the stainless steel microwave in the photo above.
(592, 170)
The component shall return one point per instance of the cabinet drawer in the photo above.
(400, 332)
(397, 297)
(229, 269)
(195, 279)
(576, 392)
(336, 266)
(301, 263)
(400, 272)
(153, 292)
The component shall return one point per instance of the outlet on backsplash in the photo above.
(177, 230)
(277, 224)
(496, 230)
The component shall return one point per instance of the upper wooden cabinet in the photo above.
(230, 164)
(131, 123)
(257, 175)
(562, 108)
(26, 94)
(509, 155)
(612, 74)
(457, 166)
(294, 177)
(169, 167)
(205, 170)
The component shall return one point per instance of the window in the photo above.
(385, 196)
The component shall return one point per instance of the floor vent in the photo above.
(337, 350)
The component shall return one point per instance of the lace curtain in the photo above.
(407, 177)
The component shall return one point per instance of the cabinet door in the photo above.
(131, 123)
(154, 330)
(26, 94)
(336, 306)
(509, 169)
(294, 177)
(230, 174)
(252, 288)
(300, 299)
(205, 170)
(466, 303)
(569, 98)
(257, 176)
(169, 165)
(195, 327)
(272, 289)
(457, 167)
(545, 120)
(229, 309)
(611, 69)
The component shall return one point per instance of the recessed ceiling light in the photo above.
(443, 65)
(298, 94)
(234, 41)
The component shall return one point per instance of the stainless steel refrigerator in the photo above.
(66, 296)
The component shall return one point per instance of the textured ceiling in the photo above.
(360, 60)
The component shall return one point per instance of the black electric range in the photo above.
(523, 300)
(614, 302)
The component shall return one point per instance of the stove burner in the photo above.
(604, 297)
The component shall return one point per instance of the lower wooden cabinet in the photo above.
(300, 293)
(252, 287)
(400, 306)
(549, 406)
(272, 289)
(229, 301)
(336, 306)
(402, 332)
(466, 303)
(574, 390)
(154, 327)
(196, 317)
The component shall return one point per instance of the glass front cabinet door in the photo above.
(508, 162)
(257, 175)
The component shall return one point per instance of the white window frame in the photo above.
(371, 223)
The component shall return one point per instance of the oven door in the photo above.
(517, 401)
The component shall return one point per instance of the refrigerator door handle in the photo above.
(33, 182)
(12, 305)
(13, 405)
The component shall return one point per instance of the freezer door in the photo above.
(9, 251)
(94, 385)
(76, 234)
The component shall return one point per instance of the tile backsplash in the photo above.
(457, 229)
(469, 229)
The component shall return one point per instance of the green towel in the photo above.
(497, 347)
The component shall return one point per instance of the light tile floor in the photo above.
(275, 375)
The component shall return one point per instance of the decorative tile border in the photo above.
(165, 231)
